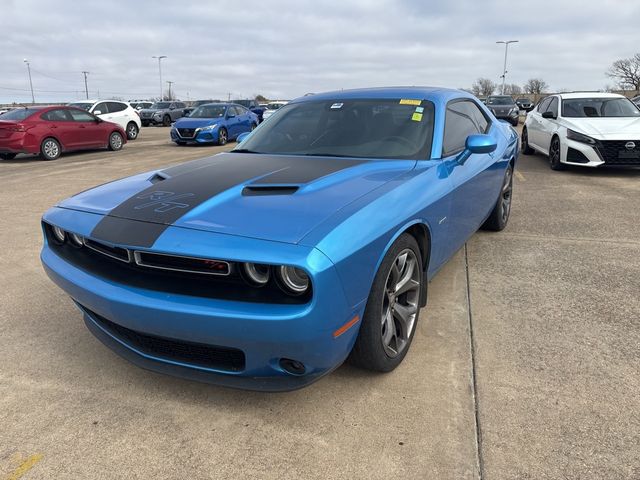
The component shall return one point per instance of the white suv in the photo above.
(113, 111)
(584, 129)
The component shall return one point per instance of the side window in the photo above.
(80, 116)
(57, 116)
(459, 123)
(116, 107)
(544, 103)
(102, 108)
(553, 106)
(240, 110)
(180, 105)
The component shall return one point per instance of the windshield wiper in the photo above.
(242, 150)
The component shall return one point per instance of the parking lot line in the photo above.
(520, 176)
(25, 466)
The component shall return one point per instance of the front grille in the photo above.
(197, 354)
(146, 114)
(177, 275)
(615, 152)
(187, 132)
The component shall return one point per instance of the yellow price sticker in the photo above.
(416, 117)
(409, 101)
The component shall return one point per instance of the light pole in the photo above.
(160, 57)
(504, 70)
(33, 100)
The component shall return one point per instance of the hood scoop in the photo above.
(258, 190)
(158, 177)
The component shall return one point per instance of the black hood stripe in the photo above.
(141, 219)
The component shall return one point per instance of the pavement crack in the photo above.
(474, 383)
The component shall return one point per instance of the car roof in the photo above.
(426, 93)
(569, 95)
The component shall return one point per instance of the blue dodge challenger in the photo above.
(213, 123)
(314, 240)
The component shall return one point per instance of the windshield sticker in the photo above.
(408, 101)
(416, 117)
(337, 105)
(419, 109)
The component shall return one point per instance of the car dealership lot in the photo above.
(546, 315)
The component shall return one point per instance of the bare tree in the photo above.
(535, 86)
(627, 72)
(512, 89)
(483, 87)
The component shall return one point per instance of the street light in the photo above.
(160, 71)
(504, 70)
(33, 100)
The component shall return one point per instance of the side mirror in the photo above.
(480, 144)
(230, 115)
(97, 112)
(242, 136)
(99, 120)
(549, 114)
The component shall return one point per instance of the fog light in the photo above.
(293, 280)
(58, 233)
(256, 273)
(292, 366)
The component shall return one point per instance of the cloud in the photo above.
(285, 48)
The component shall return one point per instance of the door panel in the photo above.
(91, 134)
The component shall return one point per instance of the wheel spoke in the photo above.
(405, 315)
(407, 282)
(388, 328)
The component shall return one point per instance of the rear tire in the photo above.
(554, 155)
(223, 136)
(8, 156)
(50, 149)
(132, 131)
(115, 141)
(526, 149)
(500, 214)
(390, 317)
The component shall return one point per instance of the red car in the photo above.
(50, 131)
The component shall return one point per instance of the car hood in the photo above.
(153, 110)
(627, 128)
(270, 197)
(186, 122)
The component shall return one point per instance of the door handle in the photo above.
(54, 126)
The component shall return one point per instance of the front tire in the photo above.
(50, 149)
(526, 149)
(500, 213)
(392, 310)
(554, 155)
(166, 121)
(223, 136)
(115, 141)
(132, 131)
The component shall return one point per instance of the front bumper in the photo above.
(264, 332)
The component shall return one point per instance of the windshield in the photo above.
(160, 105)
(83, 105)
(379, 128)
(599, 107)
(523, 100)
(208, 111)
(18, 114)
(500, 101)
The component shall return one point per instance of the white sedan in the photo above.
(114, 111)
(271, 109)
(584, 129)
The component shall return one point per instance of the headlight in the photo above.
(208, 128)
(514, 110)
(76, 240)
(58, 234)
(293, 280)
(256, 273)
(579, 137)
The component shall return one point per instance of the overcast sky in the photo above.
(284, 49)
